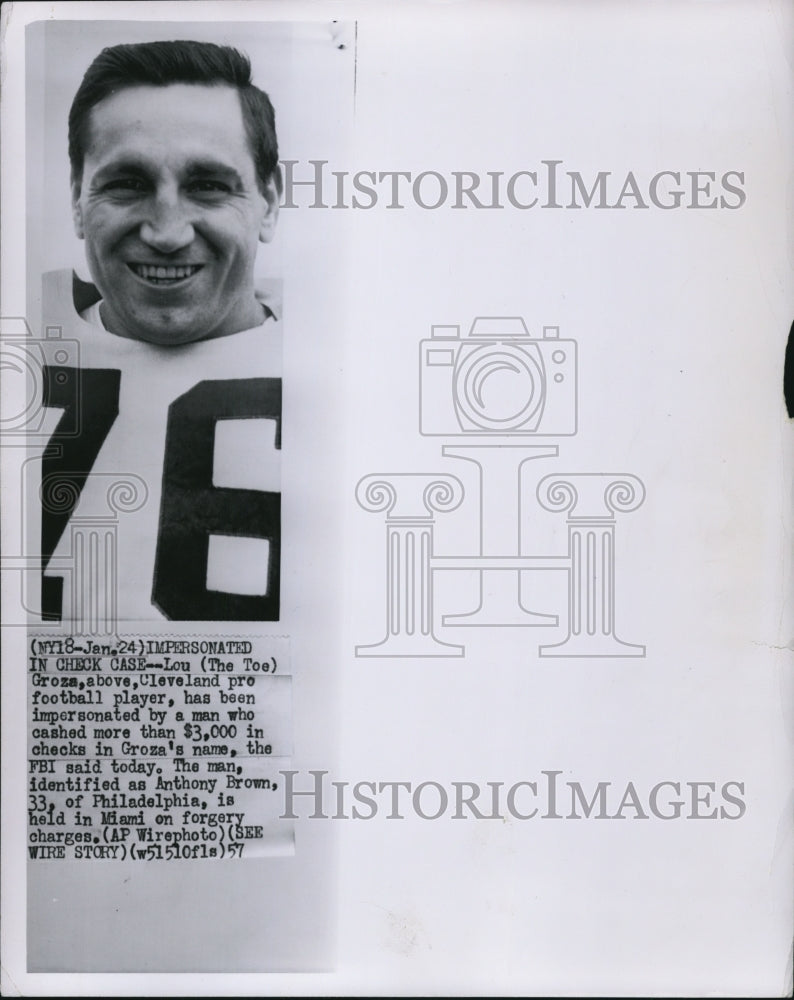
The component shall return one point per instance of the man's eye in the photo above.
(125, 186)
(208, 187)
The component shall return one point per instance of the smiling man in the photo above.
(176, 399)
(167, 197)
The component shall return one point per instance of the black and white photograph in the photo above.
(170, 396)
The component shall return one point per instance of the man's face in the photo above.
(171, 212)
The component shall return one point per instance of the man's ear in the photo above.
(271, 197)
(77, 213)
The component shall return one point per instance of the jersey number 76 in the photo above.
(191, 507)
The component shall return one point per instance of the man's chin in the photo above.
(171, 337)
(179, 319)
(164, 329)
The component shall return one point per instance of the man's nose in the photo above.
(167, 227)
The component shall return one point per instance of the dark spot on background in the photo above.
(788, 373)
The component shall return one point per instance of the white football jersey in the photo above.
(160, 484)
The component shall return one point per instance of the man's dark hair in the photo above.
(159, 64)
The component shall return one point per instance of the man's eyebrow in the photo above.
(125, 165)
(212, 168)
(142, 168)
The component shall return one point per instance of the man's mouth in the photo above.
(158, 275)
